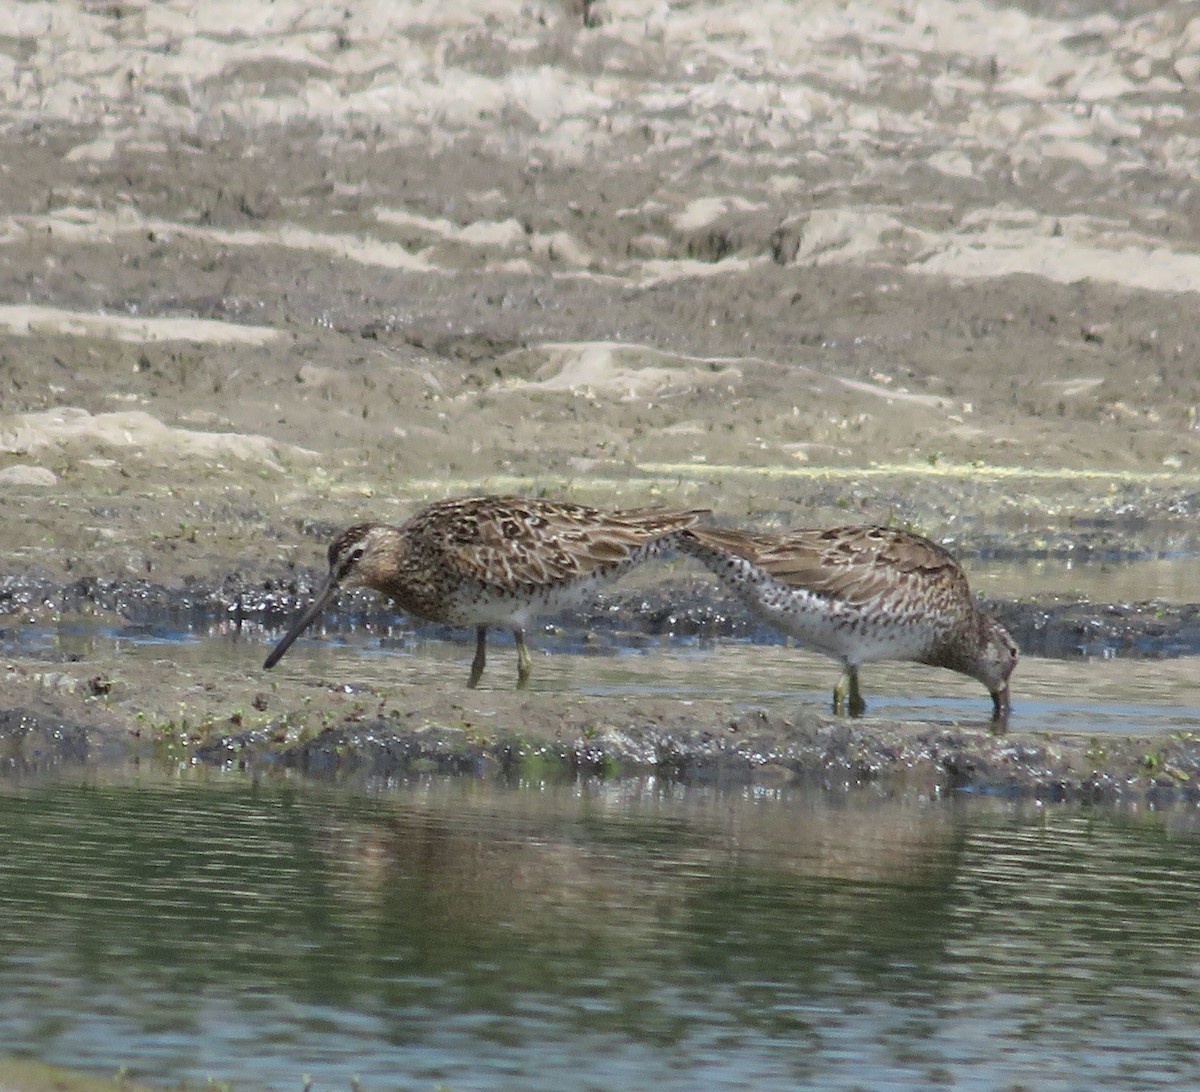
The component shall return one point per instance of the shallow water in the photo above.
(1174, 579)
(596, 936)
(1084, 695)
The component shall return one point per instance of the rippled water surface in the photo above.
(617, 936)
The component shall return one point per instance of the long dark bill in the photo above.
(301, 624)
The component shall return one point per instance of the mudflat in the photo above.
(848, 264)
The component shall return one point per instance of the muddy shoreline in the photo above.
(524, 742)
(77, 712)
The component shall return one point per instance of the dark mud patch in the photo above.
(1070, 630)
(38, 743)
(754, 748)
(1052, 627)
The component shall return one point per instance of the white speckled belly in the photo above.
(853, 633)
(475, 604)
(480, 605)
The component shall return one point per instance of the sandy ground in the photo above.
(933, 263)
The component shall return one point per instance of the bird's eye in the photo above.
(357, 553)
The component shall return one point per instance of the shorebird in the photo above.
(860, 594)
(491, 561)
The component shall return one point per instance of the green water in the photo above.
(625, 936)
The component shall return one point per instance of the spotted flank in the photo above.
(493, 561)
(860, 594)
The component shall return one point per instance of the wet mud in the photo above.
(519, 741)
(80, 711)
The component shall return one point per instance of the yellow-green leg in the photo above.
(847, 698)
(477, 664)
(524, 660)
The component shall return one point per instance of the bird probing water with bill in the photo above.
(492, 561)
(860, 594)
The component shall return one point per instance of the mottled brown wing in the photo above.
(854, 564)
(515, 540)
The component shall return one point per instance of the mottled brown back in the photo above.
(521, 541)
(854, 564)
